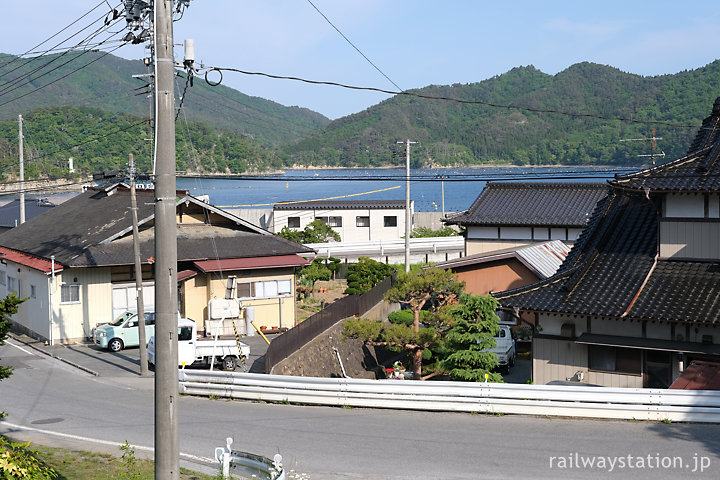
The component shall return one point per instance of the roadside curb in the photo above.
(57, 357)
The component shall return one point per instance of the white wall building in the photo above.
(354, 220)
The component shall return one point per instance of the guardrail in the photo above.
(383, 247)
(248, 465)
(557, 400)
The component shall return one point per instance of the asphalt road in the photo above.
(54, 403)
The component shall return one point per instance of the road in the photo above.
(54, 403)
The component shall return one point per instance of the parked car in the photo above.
(505, 348)
(123, 332)
(192, 350)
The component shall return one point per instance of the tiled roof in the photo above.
(533, 204)
(94, 229)
(10, 212)
(340, 205)
(698, 171)
(612, 271)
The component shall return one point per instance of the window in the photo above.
(11, 284)
(331, 221)
(293, 222)
(2, 278)
(612, 359)
(390, 221)
(362, 221)
(33, 291)
(70, 294)
(264, 289)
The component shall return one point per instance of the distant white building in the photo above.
(354, 220)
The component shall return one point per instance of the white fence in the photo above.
(569, 401)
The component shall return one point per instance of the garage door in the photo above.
(124, 298)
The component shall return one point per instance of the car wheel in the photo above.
(229, 363)
(511, 363)
(115, 345)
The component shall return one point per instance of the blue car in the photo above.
(123, 331)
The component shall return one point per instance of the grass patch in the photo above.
(83, 465)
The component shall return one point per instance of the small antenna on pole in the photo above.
(654, 140)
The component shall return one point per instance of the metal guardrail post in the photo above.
(223, 455)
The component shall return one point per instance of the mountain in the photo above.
(103, 81)
(453, 133)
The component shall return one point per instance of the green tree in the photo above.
(433, 287)
(470, 338)
(365, 274)
(425, 232)
(314, 272)
(318, 231)
(8, 308)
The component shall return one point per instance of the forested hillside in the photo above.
(99, 80)
(98, 140)
(451, 133)
(98, 115)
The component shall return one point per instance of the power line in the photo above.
(66, 50)
(62, 77)
(450, 99)
(353, 45)
(7, 88)
(53, 36)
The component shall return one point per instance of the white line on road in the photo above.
(19, 347)
(186, 456)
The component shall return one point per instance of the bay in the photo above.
(430, 189)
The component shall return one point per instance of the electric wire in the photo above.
(62, 77)
(411, 93)
(66, 50)
(7, 90)
(31, 51)
(353, 45)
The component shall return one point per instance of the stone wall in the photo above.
(318, 357)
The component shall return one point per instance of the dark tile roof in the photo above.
(339, 204)
(533, 204)
(10, 212)
(94, 228)
(698, 171)
(612, 271)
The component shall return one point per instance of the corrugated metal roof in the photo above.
(545, 258)
(228, 264)
(29, 261)
(699, 375)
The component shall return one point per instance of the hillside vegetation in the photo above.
(98, 141)
(98, 115)
(106, 82)
(452, 133)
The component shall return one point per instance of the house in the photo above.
(517, 214)
(638, 297)
(507, 269)
(354, 220)
(76, 265)
(10, 212)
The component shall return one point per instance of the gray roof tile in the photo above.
(533, 204)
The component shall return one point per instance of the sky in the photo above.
(415, 43)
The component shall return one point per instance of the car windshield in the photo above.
(119, 320)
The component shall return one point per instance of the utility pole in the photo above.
(408, 218)
(22, 170)
(442, 194)
(138, 272)
(167, 458)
